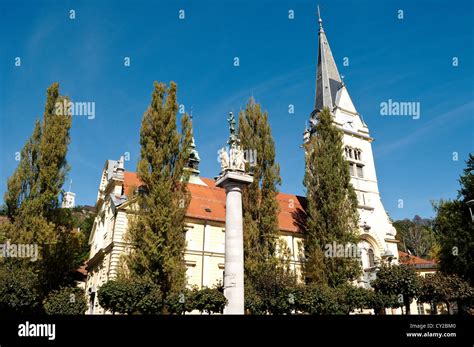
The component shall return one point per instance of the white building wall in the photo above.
(371, 210)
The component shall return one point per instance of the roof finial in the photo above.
(320, 20)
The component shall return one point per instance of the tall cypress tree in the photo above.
(55, 139)
(260, 207)
(267, 271)
(35, 186)
(33, 194)
(157, 231)
(332, 205)
(22, 185)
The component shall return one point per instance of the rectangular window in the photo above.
(189, 272)
(351, 170)
(362, 199)
(360, 173)
(189, 239)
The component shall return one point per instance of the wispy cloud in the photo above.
(454, 115)
(290, 78)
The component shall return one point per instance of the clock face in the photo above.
(349, 124)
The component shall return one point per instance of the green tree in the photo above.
(317, 299)
(454, 229)
(332, 205)
(448, 289)
(18, 288)
(152, 301)
(55, 139)
(33, 193)
(260, 206)
(265, 271)
(379, 301)
(210, 300)
(157, 231)
(118, 296)
(416, 236)
(181, 302)
(84, 223)
(66, 301)
(131, 296)
(400, 280)
(270, 288)
(351, 298)
(466, 192)
(35, 186)
(59, 260)
(23, 184)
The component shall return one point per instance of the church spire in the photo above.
(328, 80)
(194, 159)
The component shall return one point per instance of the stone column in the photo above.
(233, 183)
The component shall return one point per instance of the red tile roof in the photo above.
(130, 182)
(208, 202)
(408, 259)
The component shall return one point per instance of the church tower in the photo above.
(69, 198)
(194, 159)
(378, 235)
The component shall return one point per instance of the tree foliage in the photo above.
(209, 300)
(351, 298)
(269, 288)
(23, 184)
(466, 181)
(454, 229)
(66, 301)
(136, 296)
(332, 205)
(118, 296)
(379, 301)
(316, 299)
(181, 302)
(447, 289)
(400, 280)
(157, 231)
(267, 274)
(32, 198)
(260, 207)
(19, 285)
(416, 236)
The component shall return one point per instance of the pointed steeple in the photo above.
(328, 80)
(194, 159)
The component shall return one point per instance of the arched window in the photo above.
(370, 255)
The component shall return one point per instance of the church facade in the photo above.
(205, 218)
(376, 230)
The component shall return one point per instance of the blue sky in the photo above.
(409, 59)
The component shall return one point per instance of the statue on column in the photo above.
(234, 159)
(233, 179)
(238, 159)
(224, 159)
